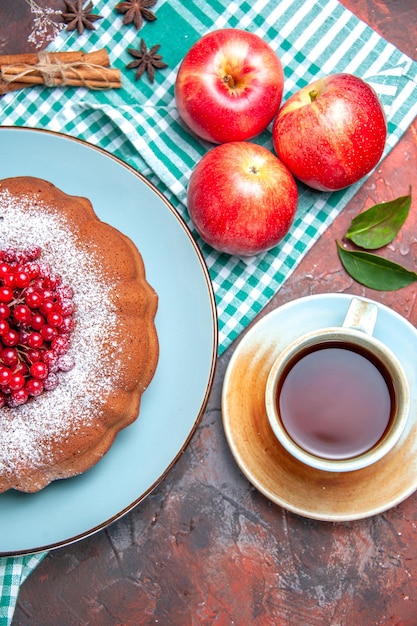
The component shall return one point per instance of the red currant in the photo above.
(9, 357)
(4, 311)
(48, 332)
(22, 314)
(67, 307)
(66, 362)
(34, 387)
(60, 344)
(33, 299)
(47, 307)
(4, 326)
(35, 340)
(21, 368)
(19, 396)
(22, 279)
(11, 337)
(33, 355)
(5, 376)
(39, 370)
(51, 382)
(55, 318)
(4, 269)
(6, 294)
(37, 321)
(17, 381)
(9, 280)
(67, 325)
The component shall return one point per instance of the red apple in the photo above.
(331, 133)
(229, 86)
(241, 198)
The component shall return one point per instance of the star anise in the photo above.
(136, 11)
(79, 17)
(146, 60)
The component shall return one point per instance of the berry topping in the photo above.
(36, 320)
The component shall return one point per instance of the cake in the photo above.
(73, 380)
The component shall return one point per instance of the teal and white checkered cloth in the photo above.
(13, 572)
(140, 124)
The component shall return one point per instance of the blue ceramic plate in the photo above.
(186, 322)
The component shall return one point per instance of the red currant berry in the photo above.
(3, 400)
(33, 299)
(64, 291)
(38, 283)
(33, 355)
(37, 321)
(50, 358)
(5, 376)
(22, 314)
(9, 255)
(68, 324)
(51, 382)
(22, 279)
(66, 362)
(39, 370)
(55, 319)
(11, 337)
(48, 294)
(4, 269)
(17, 381)
(60, 344)
(6, 294)
(33, 253)
(23, 337)
(47, 307)
(4, 327)
(9, 280)
(4, 311)
(21, 368)
(18, 397)
(35, 340)
(9, 357)
(48, 332)
(67, 307)
(34, 387)
(52, 281)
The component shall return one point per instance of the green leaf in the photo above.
(375, 271)
(380, 224)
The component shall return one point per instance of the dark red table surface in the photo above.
(205, 547)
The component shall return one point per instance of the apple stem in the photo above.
(228, 79)
(313, 95)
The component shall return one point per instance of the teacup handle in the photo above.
(361, 315)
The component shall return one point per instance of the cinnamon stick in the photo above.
(78, 75)
(92, 84)
(97, 57)
(76, 69)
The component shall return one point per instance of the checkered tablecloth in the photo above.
(13, 572)
(140, 124)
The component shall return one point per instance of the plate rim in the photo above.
(214, 344)
(228, 430)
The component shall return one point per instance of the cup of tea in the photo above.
(337, 398)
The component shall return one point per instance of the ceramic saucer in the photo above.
(267, 465)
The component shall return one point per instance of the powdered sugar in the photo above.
(29, 430)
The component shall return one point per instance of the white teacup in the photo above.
(337, 398)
